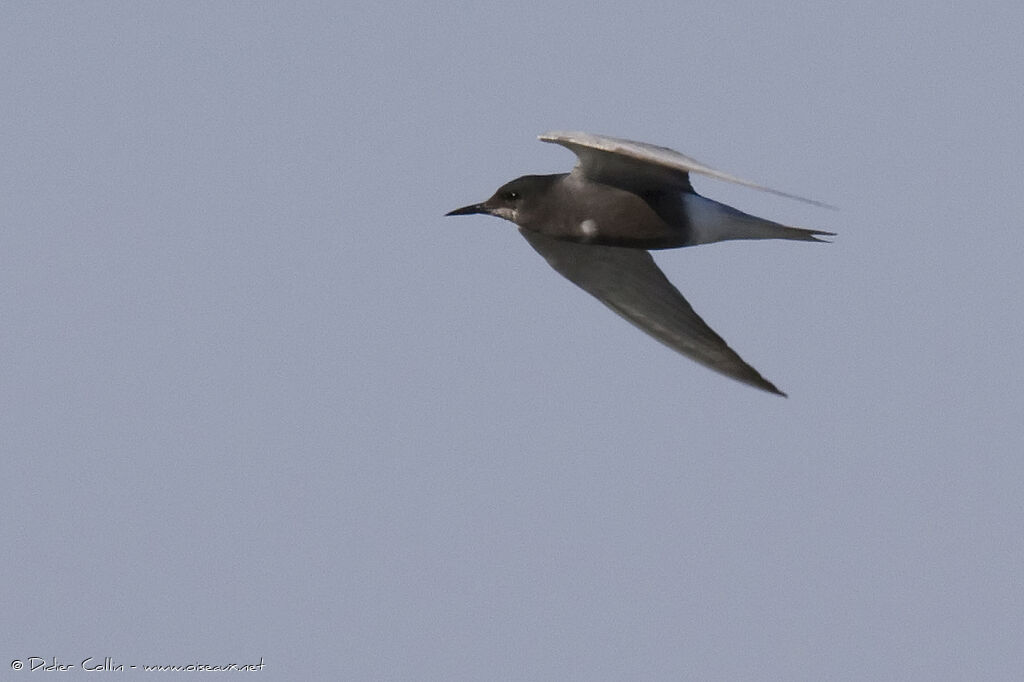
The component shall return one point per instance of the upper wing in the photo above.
(639, 165)
(629, 282)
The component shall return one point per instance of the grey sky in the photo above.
(261, 399)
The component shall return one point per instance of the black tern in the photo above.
(596, 224)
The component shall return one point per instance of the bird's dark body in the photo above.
(596, 224)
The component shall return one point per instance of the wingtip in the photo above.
(795, 197)
(754, 378)
(762, 384)
(822, 204)
(770, 388)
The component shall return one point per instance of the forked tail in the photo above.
(711, 221)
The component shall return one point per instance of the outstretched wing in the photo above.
(639, 166)
(629, 282)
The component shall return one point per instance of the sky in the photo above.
(262, 401)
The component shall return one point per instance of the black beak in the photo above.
(468, 210)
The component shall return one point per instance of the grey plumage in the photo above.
(595, 225)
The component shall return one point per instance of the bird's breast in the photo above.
(594, 213)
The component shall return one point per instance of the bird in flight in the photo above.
(597, 224)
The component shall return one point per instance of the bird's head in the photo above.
(516, 201)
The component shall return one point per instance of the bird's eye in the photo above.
(511, 195)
